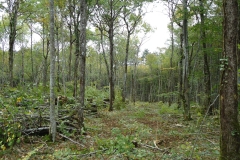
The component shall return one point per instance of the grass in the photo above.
(130, 133)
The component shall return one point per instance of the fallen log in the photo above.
(36, 131)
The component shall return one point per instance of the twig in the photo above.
(71, 140)
(148, 146)
(211, 141)
(91, 153)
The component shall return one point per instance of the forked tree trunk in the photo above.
(230, 130)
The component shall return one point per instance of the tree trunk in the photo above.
(52, 73)
(125, 68)
(83, 25)
(111, 69)
(207, 81)
(70, 53)
(77, 45)
(58, 59)
(111, 78)
(33, 76)
(45, 73)
(22, 72)
(45, 62)
(186, 103)
(230, 130)
(13, 15)
(180, 70)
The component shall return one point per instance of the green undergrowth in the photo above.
(141, 131)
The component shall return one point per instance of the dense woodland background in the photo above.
(185, 74)
(150, 76)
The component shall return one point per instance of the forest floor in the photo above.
(151, 131)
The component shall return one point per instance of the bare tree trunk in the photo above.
(33, 76)
(13, 15)
(230, 129)
(70, 53)
(58, 59)
(125, 68)
(134, 77)
(45, 62)
(77, 51)
(75, 13)
(111, 75)
(207, 81)
(22, 72)
(172, 9)
(180, 66)
(186, 103)
(111, 69)
(75, 81)
(83, 25)
(52, 73)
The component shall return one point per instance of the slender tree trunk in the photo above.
(171, 75)
(207, 81)
(45, 62)
(230, 129)
(172, 9)
(52, 73)
(33, 76)
(12, 36)
(22, 72)
(58, 59)
(125, 68)
(83, 25)
(111, 75)
(77, 52)
(70, 53)
(134, 77)
(186, 103)
(75, 13)
(45, 72)
(238, 33)
(104, 54)
(63, 57)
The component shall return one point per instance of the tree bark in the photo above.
(52, 73)
(111, 45)
(180, 70)
(126, 67)
(207, 81)
(230, 130)
(58, 58)
(83, 25)
(186, 88)
(45, 61)
(111, 78)
(33, 76)
(70, 52)
(13, 15)
(75, 13)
